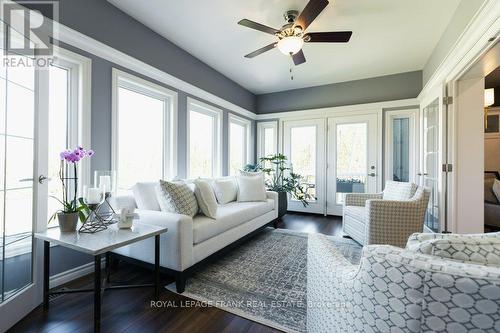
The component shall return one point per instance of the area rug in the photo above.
(264, 279)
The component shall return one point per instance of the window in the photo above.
(400, 145)
(267, 138)
(68, 119)
(204, 123)
(239, 143)
(143, 131)
(303, 155)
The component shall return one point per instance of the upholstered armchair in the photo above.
(404, 290)
(389, 217)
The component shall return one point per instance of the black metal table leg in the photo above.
(97, 293)
(157, 267)
(46, 271)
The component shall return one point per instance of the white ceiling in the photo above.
(389, 36)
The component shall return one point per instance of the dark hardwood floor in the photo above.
(130, 310)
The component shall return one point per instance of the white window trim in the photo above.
(232, 118)
(412, 114)
(209, 110)
(81, 92)
(139, 85)
(261, 144)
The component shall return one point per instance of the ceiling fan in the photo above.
(292, 36)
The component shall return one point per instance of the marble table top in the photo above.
(102, 241)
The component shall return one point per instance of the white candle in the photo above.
(105, 183)
(93, 195)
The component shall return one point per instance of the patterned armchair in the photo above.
(385, 218)
(403, 290)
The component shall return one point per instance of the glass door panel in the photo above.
(304, 145)
(352, 158)
(401, 149)
(17, 169)
(430, 174)
(303, 156)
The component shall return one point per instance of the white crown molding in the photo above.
(88, 44)
(330, 111)
(468, 47)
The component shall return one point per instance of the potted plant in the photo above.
(73, 207)
(281, 178)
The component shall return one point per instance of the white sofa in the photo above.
(190, 240)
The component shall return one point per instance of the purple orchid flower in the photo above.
(75, 155)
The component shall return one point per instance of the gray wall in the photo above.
(109, 25)
(461, 18)
(378, 89)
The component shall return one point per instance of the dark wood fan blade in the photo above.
(328, 37)
(258, 26)
(261, 50)
(299, 58)
(310, 12)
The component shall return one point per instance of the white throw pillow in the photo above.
(399, 190)
(496, 189)
(145, 195)
(206, 198)
(251, 188)
(225, 189)
(176, 198)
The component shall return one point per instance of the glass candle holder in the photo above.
(105, 180)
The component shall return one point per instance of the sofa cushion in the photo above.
(145, 195)
(399, 190)
(489, 195)
(206, 198)
(251, 188)
(496, 189)
(356, 212)
(176, 198)
(225, 189)
(228, 216)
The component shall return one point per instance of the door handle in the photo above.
(41, 179)
(422, 174)
(372, 174)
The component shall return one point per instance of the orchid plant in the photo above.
(71, 204)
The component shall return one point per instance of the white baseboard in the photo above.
(72, 274)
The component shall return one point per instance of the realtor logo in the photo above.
(29, 27)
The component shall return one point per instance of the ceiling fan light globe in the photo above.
(290, 45)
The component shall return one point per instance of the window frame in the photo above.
(246, 124)
(121, 79)
(413, 116)
(216, 113)
(80, 114)
(261, 142)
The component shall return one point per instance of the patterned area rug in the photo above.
(263, 279)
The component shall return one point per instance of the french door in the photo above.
(304, 144)
(353, 165)
(434, 150)
(21, 141)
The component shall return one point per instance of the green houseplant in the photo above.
(72, 207)
(281, 178)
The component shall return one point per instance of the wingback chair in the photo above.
(439, 283)
(389, 217)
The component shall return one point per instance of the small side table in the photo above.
(96, 245)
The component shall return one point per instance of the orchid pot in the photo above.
(67, 221)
